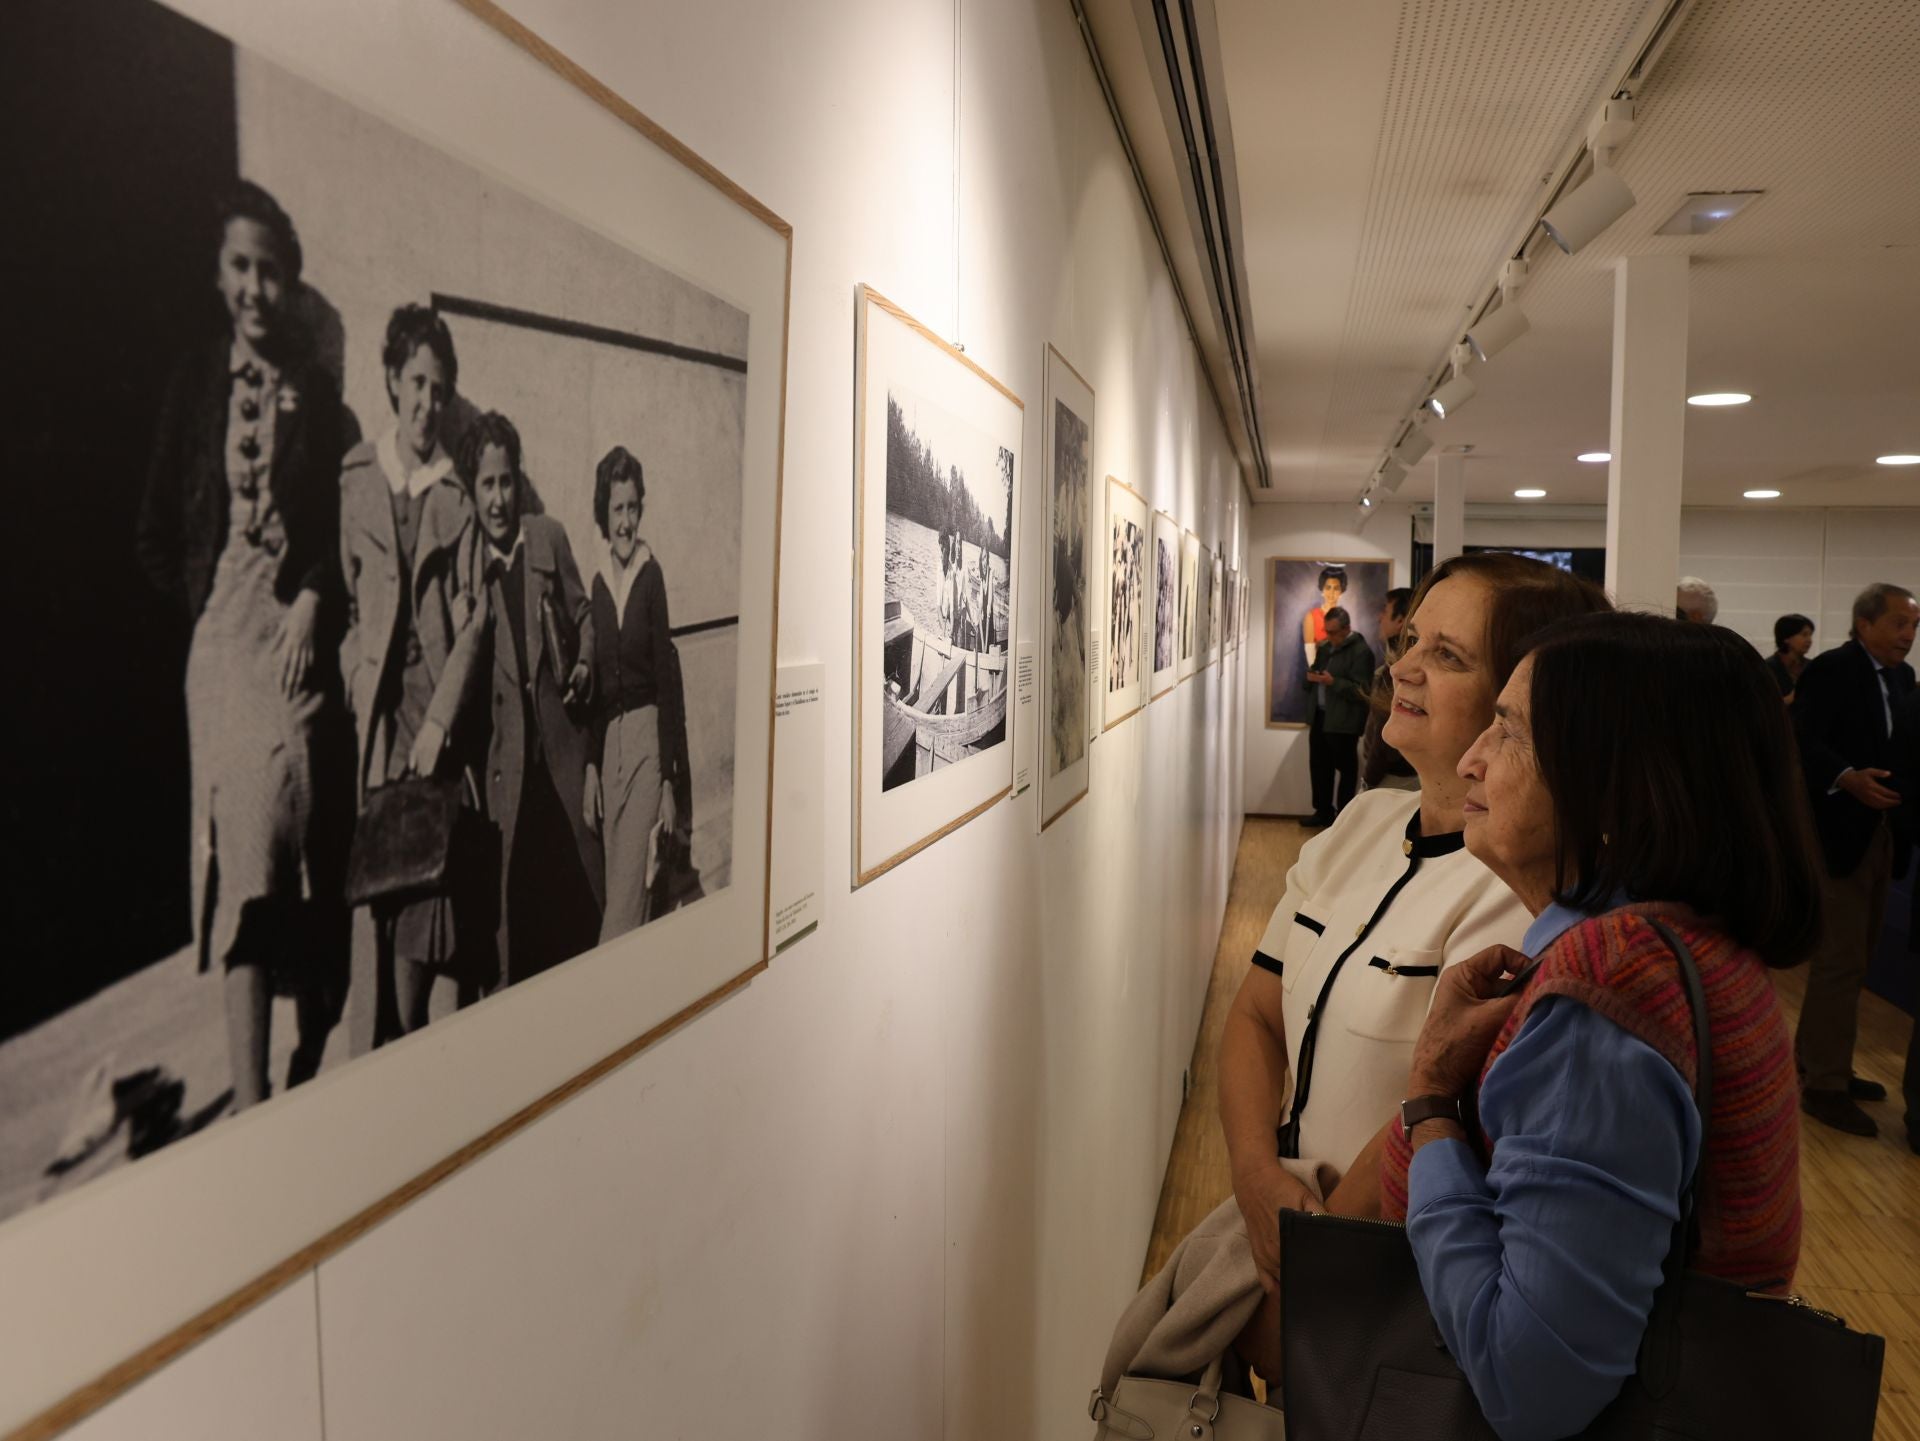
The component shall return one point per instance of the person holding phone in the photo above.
(1339, 692)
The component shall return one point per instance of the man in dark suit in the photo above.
(1843, 715)
(1337, 704)
(1906, 765)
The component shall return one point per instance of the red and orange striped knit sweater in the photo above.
(1617, 964)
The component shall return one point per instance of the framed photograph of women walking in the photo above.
(936, 493)
(1300, 592)
(1163, 566)
(409, 664)
(1128, 645)
(1067, 711)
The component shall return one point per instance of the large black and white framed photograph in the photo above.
(1190, 633)
(1164, 567)
(937, 490)
(402, 657)
(1128, 645)
(1204, 624)
(1216, 608)
(1066, 701)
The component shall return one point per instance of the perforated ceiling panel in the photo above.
(1808, 299)
(1484, 96)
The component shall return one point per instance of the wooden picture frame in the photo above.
(1069, 714)
(1127, 543)
(932, 700)
(1165, 545)
(1190, 634)
(89, 1305)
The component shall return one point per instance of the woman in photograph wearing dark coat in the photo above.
(636, 773)
(541, 634)
(237, 529)
(409, 657)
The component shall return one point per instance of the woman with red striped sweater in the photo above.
(1637, 767)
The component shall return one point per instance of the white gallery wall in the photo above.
(901, 1184)
(1762, 563)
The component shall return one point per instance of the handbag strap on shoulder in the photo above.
(1660, 1349)
(1703, 1077)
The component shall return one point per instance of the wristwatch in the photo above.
(1429, 1108)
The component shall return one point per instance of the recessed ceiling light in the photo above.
(1761, 494)
(1595, 457)
(1897, 460)
(1706, 210)
(1529, 495)
(1719, 397)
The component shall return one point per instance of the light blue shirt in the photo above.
(1541, 1267)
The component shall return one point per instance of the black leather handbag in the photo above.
(407, 841)
(1365, 1361)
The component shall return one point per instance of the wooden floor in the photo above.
(1860, 1255)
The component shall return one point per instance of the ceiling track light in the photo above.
(1499, 328)
(1413, 445)
(1578, 217)
(1458, 391)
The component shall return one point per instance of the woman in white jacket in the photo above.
(1316, 1046)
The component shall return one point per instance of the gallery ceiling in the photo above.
(1390, 154)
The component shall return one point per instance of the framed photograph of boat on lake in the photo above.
(1128, 612)
(1066, 690)
(1164, 567)
(937, 491)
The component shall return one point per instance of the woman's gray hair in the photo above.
(1701, 593)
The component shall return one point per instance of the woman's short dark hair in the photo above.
(615, 466)
(246, 201)
(1399, 601)
(1333, 573)
(1787, 627)
(493, 428)
(1527, 596)
(409, 328)
(1674, 777)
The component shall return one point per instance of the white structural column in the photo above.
(1449, 505)
(1649, 430)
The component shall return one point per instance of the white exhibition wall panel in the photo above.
(255, 1378)
(1761, 564)
(926, 1146)
(1864, 546)
(1764, 563)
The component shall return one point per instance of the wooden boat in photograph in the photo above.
(940, 702)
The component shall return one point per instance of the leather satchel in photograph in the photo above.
(1718, 1362)
(404, 841)
(560, 646)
